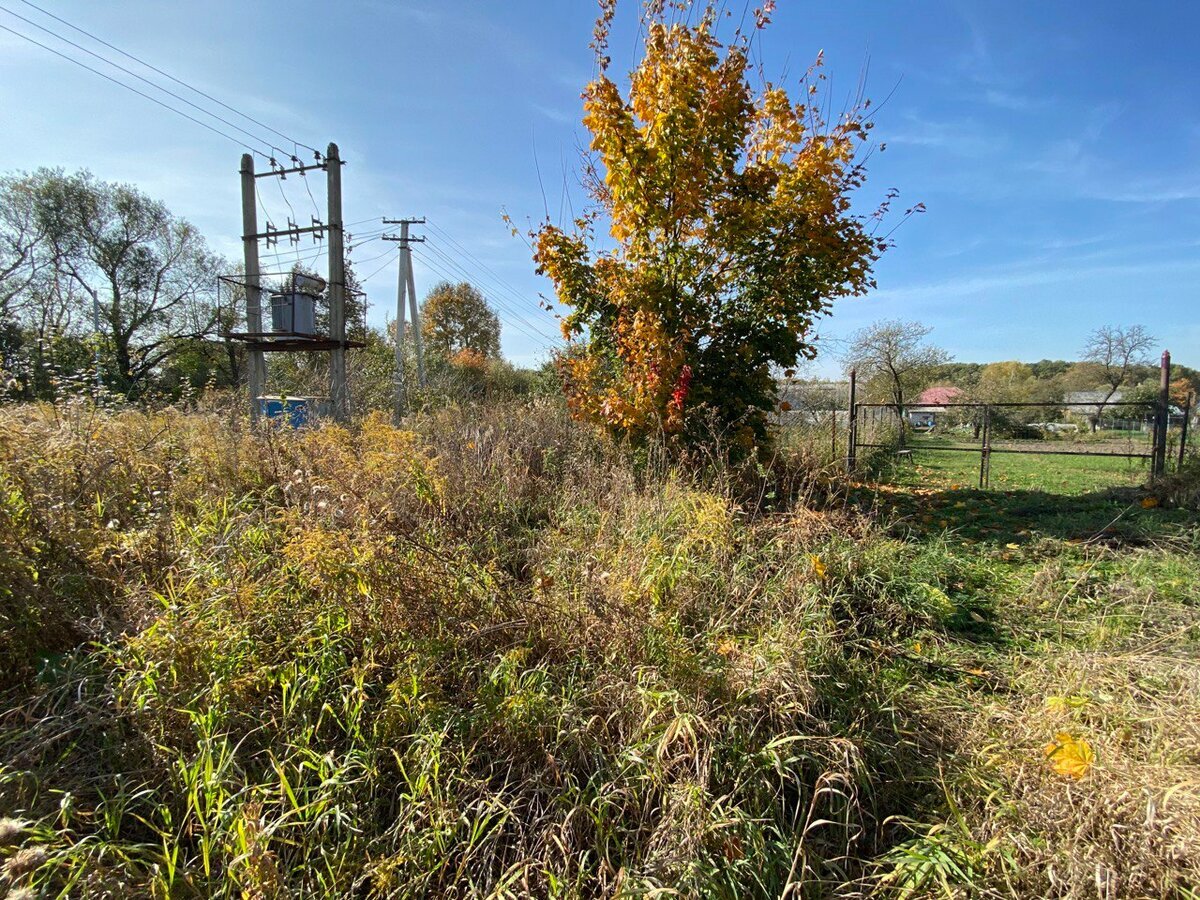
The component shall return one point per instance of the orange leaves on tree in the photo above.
(653, 379)
(729, 212)
(1182, 392)
(469, 359)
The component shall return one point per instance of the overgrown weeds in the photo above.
(487, 655)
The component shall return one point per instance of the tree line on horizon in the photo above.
(895, 362)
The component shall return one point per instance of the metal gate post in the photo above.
(1183, 429)
(852, 435)
(1158, 462)
(985, 451)
(833, 436)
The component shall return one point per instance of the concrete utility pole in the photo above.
(401, 404)
(337, 289)
(257, 365)
(406, 286)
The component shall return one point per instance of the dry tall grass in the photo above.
(489, 655)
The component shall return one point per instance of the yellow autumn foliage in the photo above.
(1069, 756)
(729, 206)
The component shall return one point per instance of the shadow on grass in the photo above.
(1115, 516)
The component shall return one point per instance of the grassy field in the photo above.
(1011, 471)
(489, 655)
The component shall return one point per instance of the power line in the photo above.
(178, 81)
(295, 257)
(288, 203)
(516, 295)
(316, 209)
(495, 287)
(262, 204)
(448, 277)
(498, 298)
(130, 72)
(297, 254)
(539, 339)
(363, 262)
(179, 112)
(390, 251)
(367, 237)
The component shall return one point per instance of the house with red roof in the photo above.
(940, 396)
(922, 415)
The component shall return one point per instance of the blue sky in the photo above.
(1056, 145)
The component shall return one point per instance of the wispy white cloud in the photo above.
(556, 115)
(1076, 167)
(950, 290)
(964, 136)
(1154, 191)
(1013, 101)
(423, 15)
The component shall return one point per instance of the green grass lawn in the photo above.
(933, 467)
(1068, 498)
(1057, 474)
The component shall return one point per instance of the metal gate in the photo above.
(1153, 417)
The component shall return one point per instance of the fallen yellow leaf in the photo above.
(818, 566)
(1062, 704)
(1069, 755)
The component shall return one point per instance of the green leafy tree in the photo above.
(143, 278)
(1010, 382)
(727, 207)
(457, 318)
(38, 312)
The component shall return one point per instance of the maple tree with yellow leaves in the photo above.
(728, 207)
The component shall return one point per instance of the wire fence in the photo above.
(1074, 443)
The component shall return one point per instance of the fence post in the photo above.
(985, 450)
(1163, 418)
(1183, 429)
(852, 434)
(833, 436)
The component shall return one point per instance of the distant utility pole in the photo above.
(405, 285)
(337, 288)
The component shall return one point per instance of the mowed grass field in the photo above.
(934, 466)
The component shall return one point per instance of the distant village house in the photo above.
(923, 415)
